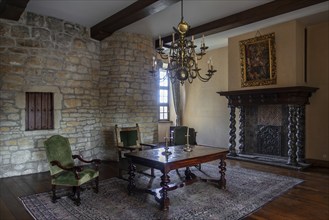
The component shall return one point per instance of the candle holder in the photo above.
(166, 148)
(187, 147)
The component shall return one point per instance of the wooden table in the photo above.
(179, 158)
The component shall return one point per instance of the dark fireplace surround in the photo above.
(271, 124)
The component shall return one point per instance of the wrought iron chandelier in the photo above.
(182, 59)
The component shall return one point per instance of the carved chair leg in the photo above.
(74, 190)
(72, 195)
(120, 173)
(152, 172)
(77, 200)
(53, 189)
(97, 183)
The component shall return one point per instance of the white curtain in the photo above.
(177, 102)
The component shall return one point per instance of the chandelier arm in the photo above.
(206, 79)
(182, 57)
(190, 79)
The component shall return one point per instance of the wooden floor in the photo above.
(309, 200)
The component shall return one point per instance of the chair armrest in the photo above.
(129, 148)
(74, 169)
(149, 145)
(96, 161)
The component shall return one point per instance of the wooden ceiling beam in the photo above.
(249, 16)
(134, 12)
(12, 9)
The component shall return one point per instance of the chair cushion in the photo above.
(129, 138)
(67, 178)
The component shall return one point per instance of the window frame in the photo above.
(39, 111)
(167, 104)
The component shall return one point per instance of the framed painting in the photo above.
(258, 63)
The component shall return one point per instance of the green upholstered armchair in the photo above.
(180, 133)
(63, 170)
(128, 139)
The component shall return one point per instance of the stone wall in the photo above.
(45, 54)
(127, 89)
(95, 84)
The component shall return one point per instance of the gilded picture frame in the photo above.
(258, 61)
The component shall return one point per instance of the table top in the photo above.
(199, 154)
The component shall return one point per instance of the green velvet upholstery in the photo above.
(129, 138)
(63, 170)
(58, 148)
(180, 133)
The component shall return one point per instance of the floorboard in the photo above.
(309, 200)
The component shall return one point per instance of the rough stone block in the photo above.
(54, 24)
(34, 19)
(6, 42)
(41, 34)
(79, 44)
(4, 29)
(73, 59)
(63, 40)
(34, 61)
(20, 32)
(71, 67)
(53, 63)
(29, 43)
(72, 103)
(20, 157)
(82, 69)
(40, 155)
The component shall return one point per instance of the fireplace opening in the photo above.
(266, 130)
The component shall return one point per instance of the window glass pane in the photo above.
(163, 96)
(163, 113)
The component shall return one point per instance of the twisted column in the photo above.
(292, 158)
(232, 132)
(242, 121)
(222, 169)
(164, 201)
(300, 134)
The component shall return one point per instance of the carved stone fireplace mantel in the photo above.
(270, 119)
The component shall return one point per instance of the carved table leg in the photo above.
(188, 174)
(164, 201)
(222, 169)
(232, 132)
(131, 185)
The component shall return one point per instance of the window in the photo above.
(163, 96)
(39, 111)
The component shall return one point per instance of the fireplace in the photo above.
(271, 123)
(265, 129)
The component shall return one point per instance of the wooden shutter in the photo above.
(39, 111)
